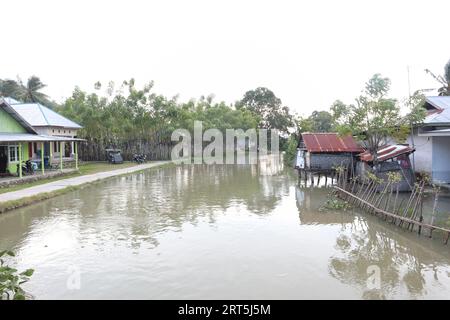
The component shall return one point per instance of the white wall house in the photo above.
(432, 141)
(47, 122)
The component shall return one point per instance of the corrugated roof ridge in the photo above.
(43, 113)
(318, 143)
(45, 110)
(343, 143)
(431, 100)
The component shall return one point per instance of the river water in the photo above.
(217, 232)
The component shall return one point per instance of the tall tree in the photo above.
(9, 88)
(322, 121)
(340, 113)
(30, 91)
(444, 80)
(263, 103)
(375, 118)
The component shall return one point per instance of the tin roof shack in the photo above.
(391, 158)
(322, 152)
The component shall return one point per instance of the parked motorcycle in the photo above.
(139, 158)
(27, 168)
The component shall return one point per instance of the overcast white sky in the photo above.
(308, 53)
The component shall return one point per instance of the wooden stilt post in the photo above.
(42, 158)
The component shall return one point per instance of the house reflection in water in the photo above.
(309, 202)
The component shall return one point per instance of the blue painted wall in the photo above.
(441, 159)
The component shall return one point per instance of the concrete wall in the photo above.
(56, 131)
(441, 159)
(422, 156)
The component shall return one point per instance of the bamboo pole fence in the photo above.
(380, 197)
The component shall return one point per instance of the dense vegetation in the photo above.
(25, 92)
(140, 120)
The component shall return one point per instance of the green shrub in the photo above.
(11, 280)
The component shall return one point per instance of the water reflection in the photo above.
(217, 232)
(138, 207)
(409, 265)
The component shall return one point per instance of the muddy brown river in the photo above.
(217, 232)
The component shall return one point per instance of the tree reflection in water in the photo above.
(133, 210)
(404, 258)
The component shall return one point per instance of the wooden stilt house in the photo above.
(322, 152)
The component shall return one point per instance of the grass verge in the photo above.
(14, 204)
(84, 169)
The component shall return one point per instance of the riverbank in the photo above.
(45, 190)
(37, 179)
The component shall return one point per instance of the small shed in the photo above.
(322, 152)
(391, 158)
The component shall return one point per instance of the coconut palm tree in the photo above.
(443, 80)
(29, 92)
(8, 88)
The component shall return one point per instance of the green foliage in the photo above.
(394, 177)
(263, 104)
(339, 169)
(11, 280)
(305, 125)
(373, 177)
(340, 113)
(417, 112)
(375, 118)
(130, 114)
(322, 121)
(291, 149)
(26, 92)
(326, 121)
(318, 121)
(335, 203)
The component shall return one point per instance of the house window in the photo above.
(13, 153)
(53, 130)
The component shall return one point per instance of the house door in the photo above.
(30, 150)
(3, 158)
(47, 149)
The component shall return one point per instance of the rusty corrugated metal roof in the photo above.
(329, 142)
(387, 152)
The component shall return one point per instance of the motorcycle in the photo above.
(139, 158)
(27, 168)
